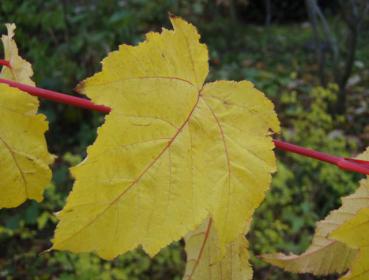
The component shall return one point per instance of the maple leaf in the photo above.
(172, 152)
(24, 170)
(327, 255)
(205, 260)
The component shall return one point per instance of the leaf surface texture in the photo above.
(205, 260)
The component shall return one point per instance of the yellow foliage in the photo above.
(24, 170)
(172, 152)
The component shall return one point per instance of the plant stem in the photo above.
(57, 96)
(5, 63)
(348, 164)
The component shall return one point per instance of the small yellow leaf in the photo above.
(21, 70)
(24, 170)
(354, 233)
(172, 152)
(328, 255)
(325, 255)
(205, 260)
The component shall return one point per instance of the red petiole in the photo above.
(349, 164)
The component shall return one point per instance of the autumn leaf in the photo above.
(24, 170)
(327, 255)
(172, 152)
(24, 161)
(354, 233)
(21, 70)
(205, 260)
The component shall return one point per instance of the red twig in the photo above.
(349, 164)
(5, 63)
(57, 96)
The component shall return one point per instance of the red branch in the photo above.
(57, 96)
(5, 63)
(348, 164)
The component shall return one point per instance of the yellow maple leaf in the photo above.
(327, 255)
(172, 152)
(24, 170)
(205, 260)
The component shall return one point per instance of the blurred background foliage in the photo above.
(282, 46)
